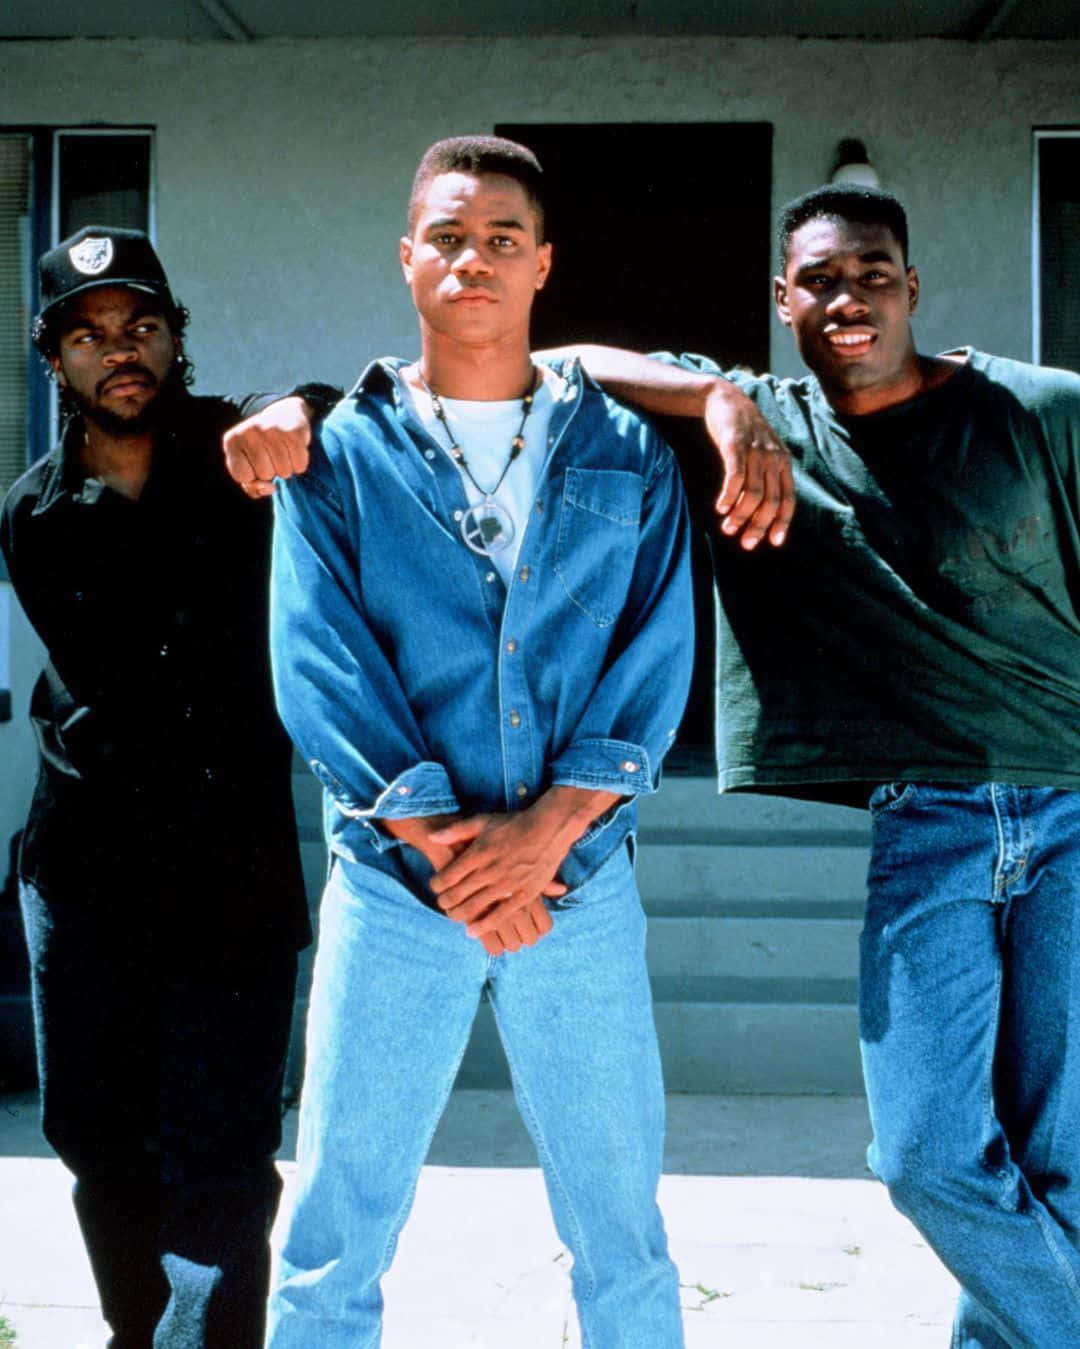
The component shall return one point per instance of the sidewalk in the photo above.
(782, 1239)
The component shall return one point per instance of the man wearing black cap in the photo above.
(160, 871)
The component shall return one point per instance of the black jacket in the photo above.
(164, 769)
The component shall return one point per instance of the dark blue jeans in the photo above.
(970, 1025)
(161, 1079)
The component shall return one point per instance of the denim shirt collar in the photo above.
(383, 376)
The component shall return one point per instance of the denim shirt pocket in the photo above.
(597, 540)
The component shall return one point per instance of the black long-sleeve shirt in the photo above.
(164, 768)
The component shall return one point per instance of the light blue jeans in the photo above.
(396, 988)
(970, 1025)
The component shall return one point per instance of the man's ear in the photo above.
(405, 251)
(61, 379)
(779, 290)
(912, 289)
(543, 265)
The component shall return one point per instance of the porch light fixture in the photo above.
(851, 164)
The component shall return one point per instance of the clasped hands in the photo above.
(493, 872)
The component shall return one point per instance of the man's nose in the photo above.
(470, 260)
(118, 350)
(846, 303)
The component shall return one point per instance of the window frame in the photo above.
(1039, 135)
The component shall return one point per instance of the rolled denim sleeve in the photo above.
(631, 718)
(338, 694)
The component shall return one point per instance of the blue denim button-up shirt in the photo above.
(415, 683)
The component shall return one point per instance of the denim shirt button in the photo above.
(629, 766)
(490, 577)
(515, 718)
(524, 573)
(458, 515)
(404, 791)
(164, 649)
(429, 454)
(521, 789)
(511, 646)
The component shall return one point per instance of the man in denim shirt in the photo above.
(482, 646)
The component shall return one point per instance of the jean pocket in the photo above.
(597, 542)
(890, 796)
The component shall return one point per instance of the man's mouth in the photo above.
(851, 341)
(476, 296)
(122, 386)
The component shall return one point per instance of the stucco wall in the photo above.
(283, 168)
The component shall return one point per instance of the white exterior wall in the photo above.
(283, 168)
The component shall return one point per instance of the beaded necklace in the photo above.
(487, 527)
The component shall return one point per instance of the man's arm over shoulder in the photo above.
(270, 434)
(338, 693)
(755, 494)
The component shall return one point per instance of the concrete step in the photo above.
(731, 1047)
(709, 876)
(760, 949)
(695, 801)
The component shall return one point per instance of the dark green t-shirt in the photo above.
(923, 620)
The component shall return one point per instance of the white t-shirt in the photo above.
(484, 431)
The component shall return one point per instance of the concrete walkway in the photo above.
(782, 1239)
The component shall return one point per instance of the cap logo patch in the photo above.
(92, 256)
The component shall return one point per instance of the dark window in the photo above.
(1058, 244)
(102, 178)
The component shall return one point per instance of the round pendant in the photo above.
(487, 528)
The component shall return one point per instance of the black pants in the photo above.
(161, 1078)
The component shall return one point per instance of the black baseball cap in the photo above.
(100, 255)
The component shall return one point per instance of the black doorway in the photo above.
(661, 242)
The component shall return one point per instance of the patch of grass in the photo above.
(7, 1334)
(707, 1294)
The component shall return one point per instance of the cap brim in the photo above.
(150, 287)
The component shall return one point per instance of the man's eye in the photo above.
(81, 339)
(503, 241)
(445, 240)
(145, 329)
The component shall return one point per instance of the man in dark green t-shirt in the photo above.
(916, 644)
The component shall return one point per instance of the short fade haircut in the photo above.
(842, 201)
(478, 155)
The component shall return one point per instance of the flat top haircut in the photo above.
(843, 201)
(477, 155)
